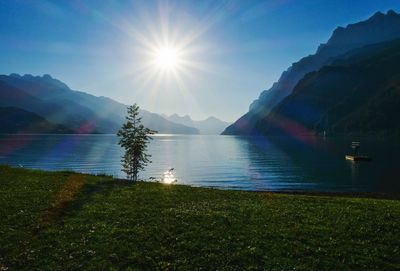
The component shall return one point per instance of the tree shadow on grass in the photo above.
(76, 192)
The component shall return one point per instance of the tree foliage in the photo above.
(134, 138)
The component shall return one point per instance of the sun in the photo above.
(167, 58)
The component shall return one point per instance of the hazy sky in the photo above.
(229, 50)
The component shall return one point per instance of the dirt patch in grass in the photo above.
(64, 197)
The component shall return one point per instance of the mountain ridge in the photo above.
(363, 91)
(378, 28)
(82, 112)
(211, 125)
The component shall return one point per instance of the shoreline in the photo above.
(346, 194)
(367, 195)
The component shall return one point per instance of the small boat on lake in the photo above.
(358, 158)
(356, 154)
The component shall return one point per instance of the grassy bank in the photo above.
(52, 221)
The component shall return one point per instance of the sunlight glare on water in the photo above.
(228, 162)
(168, 177)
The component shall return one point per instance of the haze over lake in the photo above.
(245, 163)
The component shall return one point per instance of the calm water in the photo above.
(221, 161)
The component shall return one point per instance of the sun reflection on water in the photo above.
(168, 177)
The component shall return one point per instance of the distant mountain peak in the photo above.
(377, 15)
(212, 118)
(15, 75)
(47, 77)
(210, 125)
(377, 28)
(175, 115)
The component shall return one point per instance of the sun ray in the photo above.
(166, 54)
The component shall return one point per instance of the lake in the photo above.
(228, 162)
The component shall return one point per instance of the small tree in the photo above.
(134, 138)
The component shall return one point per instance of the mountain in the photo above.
(80, 119)
(159, 123)
(378, 28)
(209, 126)
(15, 120)
(82, 112)
(185, 120)
(359, 94)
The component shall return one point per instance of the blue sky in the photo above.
(231, 50)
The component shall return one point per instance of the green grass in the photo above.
(69, 221)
